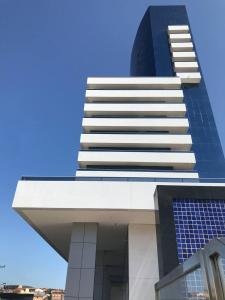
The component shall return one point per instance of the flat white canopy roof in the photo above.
(51, 206)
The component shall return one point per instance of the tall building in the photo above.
(148, 192)
(152, 56)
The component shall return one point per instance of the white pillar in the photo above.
(143, 261)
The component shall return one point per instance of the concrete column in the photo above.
(143, 261)
(81, 265)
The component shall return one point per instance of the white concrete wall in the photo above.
(193, 77)
(93, 173)
(173, 141)
(187, 66)
(144, 83)
(136, 124)
(179, 37)
(177, 160)
(165, 109)
(143, 261)
(90, 195)
(94, 195)
(134, 95)
(181, 46)
(178, 28)
(184, 56)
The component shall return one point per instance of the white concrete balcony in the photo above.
(191, 66)
(181, 142)
(179, 37)
(173, 125)
(184, 56)
(135, 174)
(177, 160)
(194, 77)
(130, 109)
(183, 47)
(178, 29)
(133, 83)
(134, 95)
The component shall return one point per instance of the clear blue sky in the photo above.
(47, 49)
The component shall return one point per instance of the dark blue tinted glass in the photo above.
(151, 57)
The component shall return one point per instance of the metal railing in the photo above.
(201, 277)
(137, 179)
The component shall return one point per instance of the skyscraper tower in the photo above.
(149, 191)
(152, 55)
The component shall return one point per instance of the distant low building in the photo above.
(57, 295)
(19, 292)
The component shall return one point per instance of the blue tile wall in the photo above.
(196, 223)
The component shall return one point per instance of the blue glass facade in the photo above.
(151, 57)
(197, 222)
